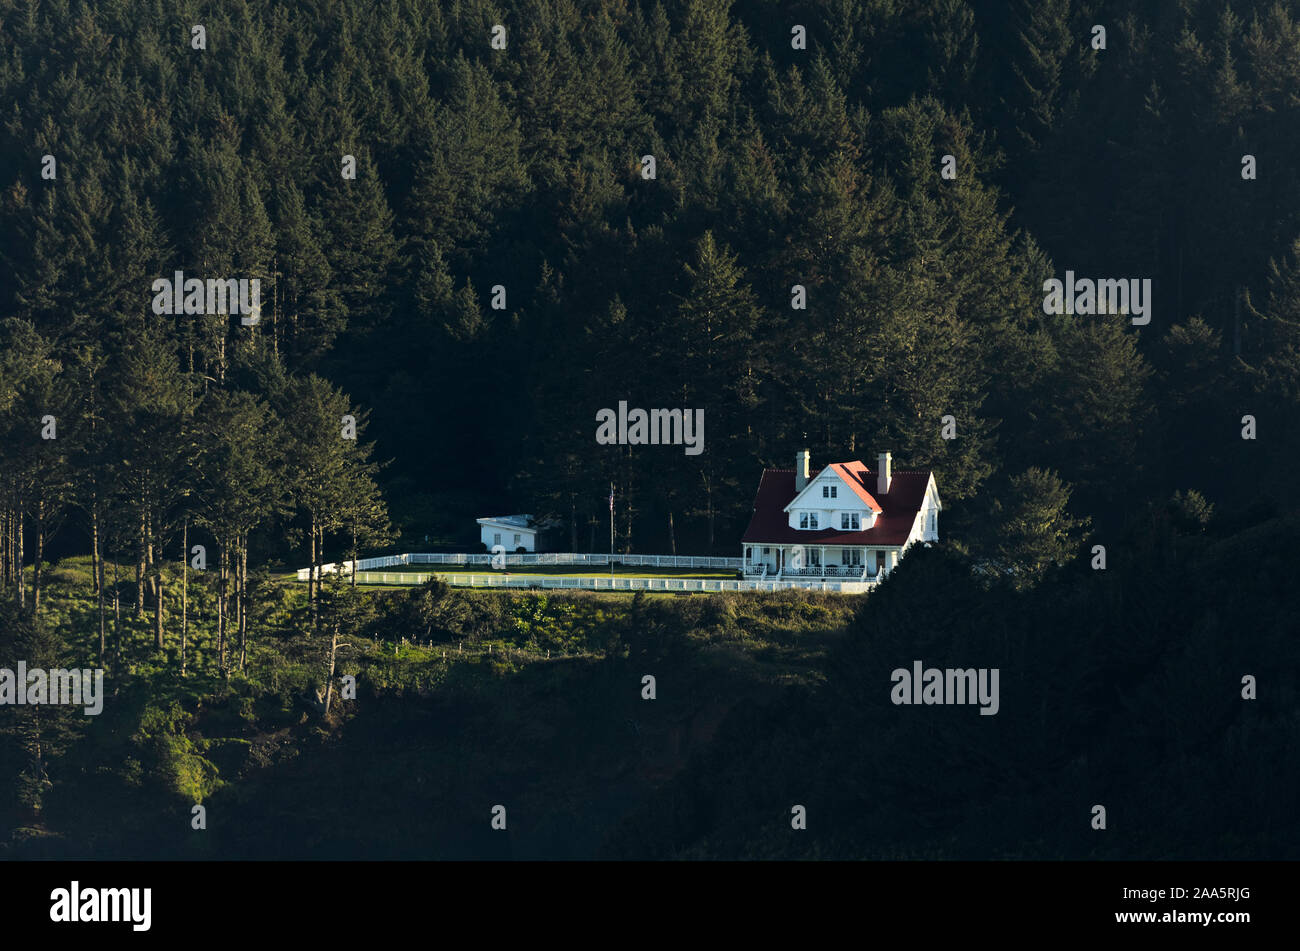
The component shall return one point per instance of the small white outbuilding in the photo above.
(511, 532)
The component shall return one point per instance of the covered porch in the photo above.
(851, 562)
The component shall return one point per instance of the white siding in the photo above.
(506, 536)
(829, 509)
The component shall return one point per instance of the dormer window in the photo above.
(849, 521)
(830, 491)
(803, 519)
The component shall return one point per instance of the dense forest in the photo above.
(475, 224)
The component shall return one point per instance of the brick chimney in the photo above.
(884, 472)
(801, 469)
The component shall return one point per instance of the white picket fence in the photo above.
(615, 583)
(521, 560)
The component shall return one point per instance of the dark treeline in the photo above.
(522, 168)
(159, 444)
(1123, 689)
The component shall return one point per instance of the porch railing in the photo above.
(823, 571)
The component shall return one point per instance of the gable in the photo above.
(932, 493)
(844, 475)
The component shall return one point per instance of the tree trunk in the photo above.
(40, 553)
(573, 522)
(243, 598)
(18, 558)
(150, 563)
(95, 570)
(329, 683)
(311, 565)
(117, 601)
(185, 589)
(237, 619)
(317, 544)
(221, 610)
(99, 585)
(708, 497)
(117, 617)
(158, 606)
(139, 567)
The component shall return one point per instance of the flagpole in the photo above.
(611, 534)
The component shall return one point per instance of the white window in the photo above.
(803, 519)
(496, 538)
(830, 491)
(516, 539)
(850, 521)
(850, 556)
(933, 519)
(812, 519)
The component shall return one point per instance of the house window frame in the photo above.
(496, 538)
(813, 521)
(803, 519)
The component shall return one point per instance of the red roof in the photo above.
(856, 475)
(770, 524)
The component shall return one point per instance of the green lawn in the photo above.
(558, 571)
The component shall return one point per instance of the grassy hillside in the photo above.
(529, 701)
(1122, 688)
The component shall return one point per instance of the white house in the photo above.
(844, 520)
(512, 532)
